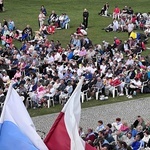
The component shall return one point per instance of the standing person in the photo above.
(41, 19)
(1, 6)
(85, 17)
(43, 9)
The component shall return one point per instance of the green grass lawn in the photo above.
(86, 104)
(24, 12)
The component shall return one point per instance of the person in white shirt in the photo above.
(49, 58)
(57, 57)
(146, 137)
(100, 126)
(56, 84)
(134, 85)
(129, 139)
(115, 25)
(61, 19)
(5, 78)
(66, 93)
(103, 67)
(50, 92)
(41, 19)
(130, 27)
(147, 31)
(109, 73)
(116, 127)
(117, 124)
(130, 61)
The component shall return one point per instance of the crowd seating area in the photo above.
(119, 135)
(45, 74)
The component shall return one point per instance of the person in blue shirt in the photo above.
(136, 144)
(100, 126)
(70, 54)
(11, 25)
(88, 75)
(43, 9)
(66, 20)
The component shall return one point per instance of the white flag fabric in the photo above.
(64, 133)
(17, 131)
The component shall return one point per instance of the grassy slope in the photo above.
(25, 12)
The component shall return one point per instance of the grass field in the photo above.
(86, 104)
(24, 12)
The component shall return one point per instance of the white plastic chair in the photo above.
(29, 102)
(50, 101)
(143, 85)
(115, 91)
(97, 93)
(84, 96)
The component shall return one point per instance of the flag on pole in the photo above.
(17, 131)
(64, 133)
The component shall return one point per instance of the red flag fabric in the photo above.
(64, 133)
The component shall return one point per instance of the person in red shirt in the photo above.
(90, 136)
(116, 13)
(8, 41)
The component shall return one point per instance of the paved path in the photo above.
(127, 110)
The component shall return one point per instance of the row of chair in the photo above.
(115, 92)
(84, 96)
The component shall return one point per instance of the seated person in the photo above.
(66, 93)
(90, 137)
(147, 32)
(18, 34)
(135, 84)
(50, 29)
(109, 28)
(64, 20)
(53, 18)
(81, 30)
(27, 33)
(138, 143)
(43, 29)
(123, 129)
(104, 10)
(100, 126)
(11, 25)
(50, 92)
(7, 40)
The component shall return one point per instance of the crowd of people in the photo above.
(41, 65)
(41, 68)
(59, 21)
(126, 20)
(119, 135)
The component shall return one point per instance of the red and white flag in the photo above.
(64, 133)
